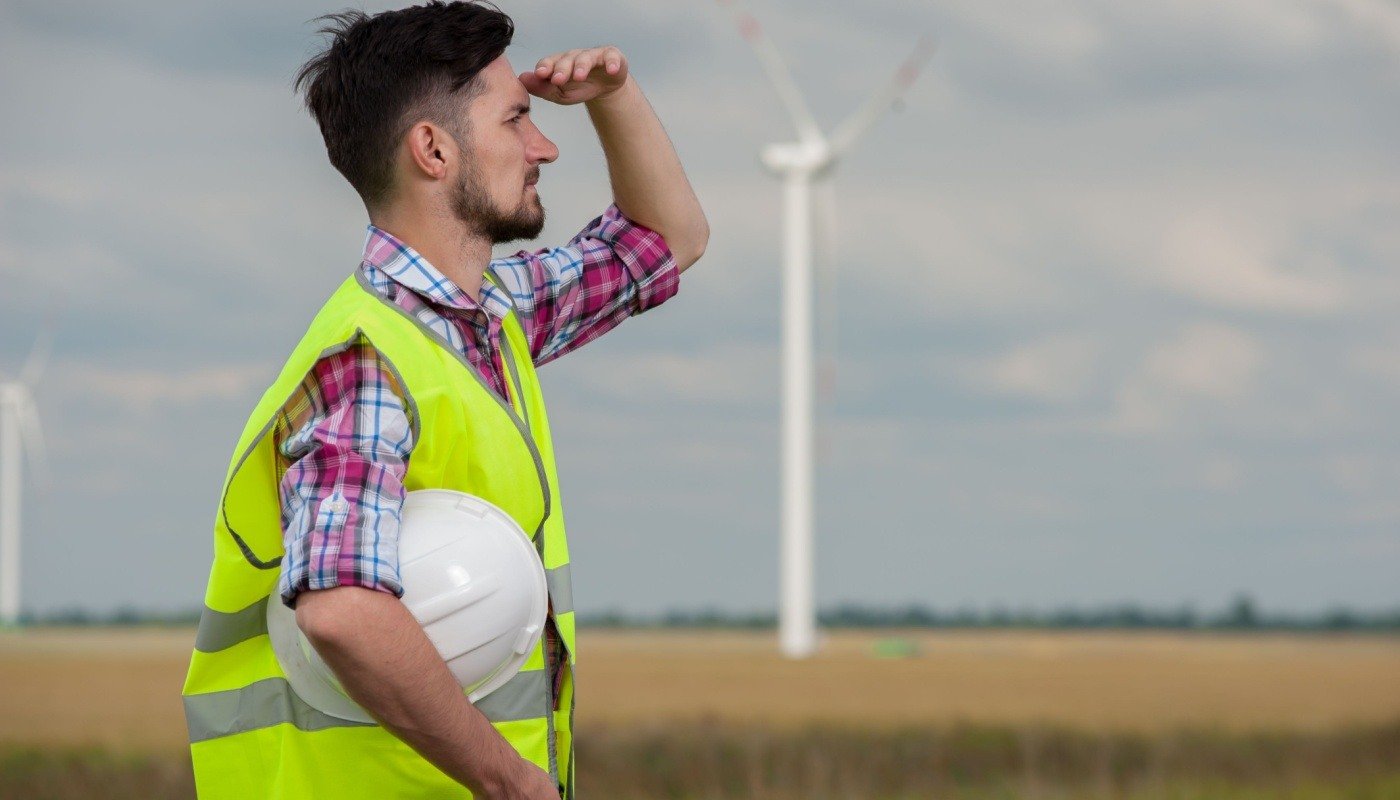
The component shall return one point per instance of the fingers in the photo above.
(563, 70)
(557, 69)
(583, 64)
(576, 65)
(538, 86)
(612, 60)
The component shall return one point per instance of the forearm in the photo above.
(648, 183)
(388, 665)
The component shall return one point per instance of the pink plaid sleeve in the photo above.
(344, 438)
(568, 296)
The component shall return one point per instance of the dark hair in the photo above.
(380, 74)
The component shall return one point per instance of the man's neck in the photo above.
(445, 242)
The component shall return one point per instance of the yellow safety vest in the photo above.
(250, 735)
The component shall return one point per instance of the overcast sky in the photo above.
(1116, 306)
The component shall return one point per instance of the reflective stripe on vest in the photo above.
(249, 733)
(272, 702)
(218, 630)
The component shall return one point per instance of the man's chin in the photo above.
(521, 228)
(535, 217)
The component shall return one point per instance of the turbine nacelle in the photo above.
(810, 157)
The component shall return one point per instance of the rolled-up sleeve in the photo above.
(568, 296)
(345, 438)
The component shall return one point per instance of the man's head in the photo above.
(420, 107)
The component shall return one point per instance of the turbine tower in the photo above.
(19, 433)
(805, 165)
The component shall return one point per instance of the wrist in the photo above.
(614, 97)
(500, 782)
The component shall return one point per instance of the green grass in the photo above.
(724, 762)
(34, 774)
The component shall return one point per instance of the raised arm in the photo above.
(648, 183)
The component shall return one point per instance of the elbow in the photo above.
(693, 246)
(313, 618)
(328, 617)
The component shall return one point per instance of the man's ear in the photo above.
(430, 149)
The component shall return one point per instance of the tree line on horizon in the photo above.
(1241, 614)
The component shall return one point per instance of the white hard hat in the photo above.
(472, 579)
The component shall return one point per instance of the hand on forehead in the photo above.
(576, 76)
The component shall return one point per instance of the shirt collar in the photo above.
(407, 267)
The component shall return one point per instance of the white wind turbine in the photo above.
(19, 433)
(804, 165)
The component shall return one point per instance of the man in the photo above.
(419, 373)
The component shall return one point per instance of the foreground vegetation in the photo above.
(721, 761)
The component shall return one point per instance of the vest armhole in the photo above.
(355, 337)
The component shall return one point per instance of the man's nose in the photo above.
(544, 150)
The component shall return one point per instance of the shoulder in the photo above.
(525, 272)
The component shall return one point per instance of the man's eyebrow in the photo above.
(520, 108)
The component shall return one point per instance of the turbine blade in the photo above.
(777, 69)
(38, 356)
(851, 128)
(32, 434)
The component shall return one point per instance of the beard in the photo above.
(472, 204)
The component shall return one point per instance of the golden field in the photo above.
(717, 715)
(120, 688)
(1109, 681)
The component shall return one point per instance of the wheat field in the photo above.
(717, 715)
(119, 689)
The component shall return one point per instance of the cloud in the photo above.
(1064, 58)
(1207, 257)
(722, 375)
(54, 265)
(151, 390)
(1378, 361)
(1061, 33)
(1207, 360)
(1055, 369)
(1368, 479)
(1376, 18)
(1205, 365)
(1222, 473)
(1251, 237)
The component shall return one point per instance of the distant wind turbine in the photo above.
(20, 433)
(804, 165)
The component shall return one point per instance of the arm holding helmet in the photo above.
(341, 477)
(387, 664)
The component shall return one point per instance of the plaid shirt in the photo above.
(345, 436)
